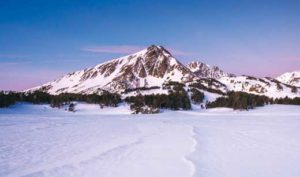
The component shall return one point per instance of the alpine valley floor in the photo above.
(37, 141)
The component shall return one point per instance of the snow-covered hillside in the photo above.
(154, 66)
(150, 67)
(260, 86)
(38, 141)
(292, 78)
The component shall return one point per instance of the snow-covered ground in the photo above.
(37, 141)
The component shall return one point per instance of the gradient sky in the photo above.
(43, 39)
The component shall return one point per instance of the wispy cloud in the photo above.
(179, 52)
(12, 59)
(14, 62)
(8, 63)
(127, 49)
(122, 49)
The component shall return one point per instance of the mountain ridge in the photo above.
(204, 70)
(154, 66)
(149, 67)
(291, 78)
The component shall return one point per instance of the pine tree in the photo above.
(294, 89)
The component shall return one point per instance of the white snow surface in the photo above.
(259, 86)
(37, 140)
(292, 78)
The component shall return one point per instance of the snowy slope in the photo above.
(260, 86)
(150, 67)
(292, 78)
(45, 142)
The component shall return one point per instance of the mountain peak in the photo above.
(147, 68)
(204, 70)
(150, 68)
(196, 65)
(152, 46)
(158, 50)
(291, 78)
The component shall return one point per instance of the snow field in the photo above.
(40, 141)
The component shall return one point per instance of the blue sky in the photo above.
(43, 39)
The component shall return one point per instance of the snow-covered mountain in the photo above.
(204, 70)
(291, 78)
(260, 86)
(150, 67)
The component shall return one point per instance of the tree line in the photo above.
(289, 101)
(197, 96)
(177, 98)
(154, 102)
(245, 101)
(9, 98)
(240, 100)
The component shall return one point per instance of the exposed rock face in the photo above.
(204, 70)
(149, 67)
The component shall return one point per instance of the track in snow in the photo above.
(39, 141)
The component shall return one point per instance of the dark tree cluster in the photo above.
(7, 99)
(140, 89)
(174, 100)
(197, 96)
(177, 100)
(38, 97)
(250, 77)
(107, 99)
(263, 81)
(10, 98)
(171, 85)
(240, 100)
(286, 100)
(279, 87)
(294, 89)
(71, 107)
